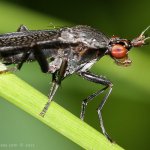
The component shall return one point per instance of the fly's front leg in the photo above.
(108, 85)
(57, 77)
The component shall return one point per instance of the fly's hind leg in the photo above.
(57, 77)
(41, 58)
(22, 28)
(24, 58)
(3, 68)
(25, 55)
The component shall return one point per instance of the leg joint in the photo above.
(84, 102)
(110, 85)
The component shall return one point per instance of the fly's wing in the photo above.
(23, 38)
(14, 45)
(20, 41)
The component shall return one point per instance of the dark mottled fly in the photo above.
(62, 52)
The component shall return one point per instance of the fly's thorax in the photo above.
(84, 34)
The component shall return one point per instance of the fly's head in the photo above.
(118, 48)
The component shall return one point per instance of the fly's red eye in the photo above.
(118, 51)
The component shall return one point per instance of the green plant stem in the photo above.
(32, 101)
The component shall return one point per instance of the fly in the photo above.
(62, 52)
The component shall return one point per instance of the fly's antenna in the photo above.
(145, 30)
(140, 40)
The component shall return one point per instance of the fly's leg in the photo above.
(3, 68)
(22, 28)
(25, 56)
(40, 57)
(57, 77)
(89, 99)
(53, 90)
(108, 85)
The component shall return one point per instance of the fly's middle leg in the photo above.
(57, 77)
(50, 97)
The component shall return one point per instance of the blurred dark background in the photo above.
(126, 114)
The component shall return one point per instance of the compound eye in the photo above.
(118, 51)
